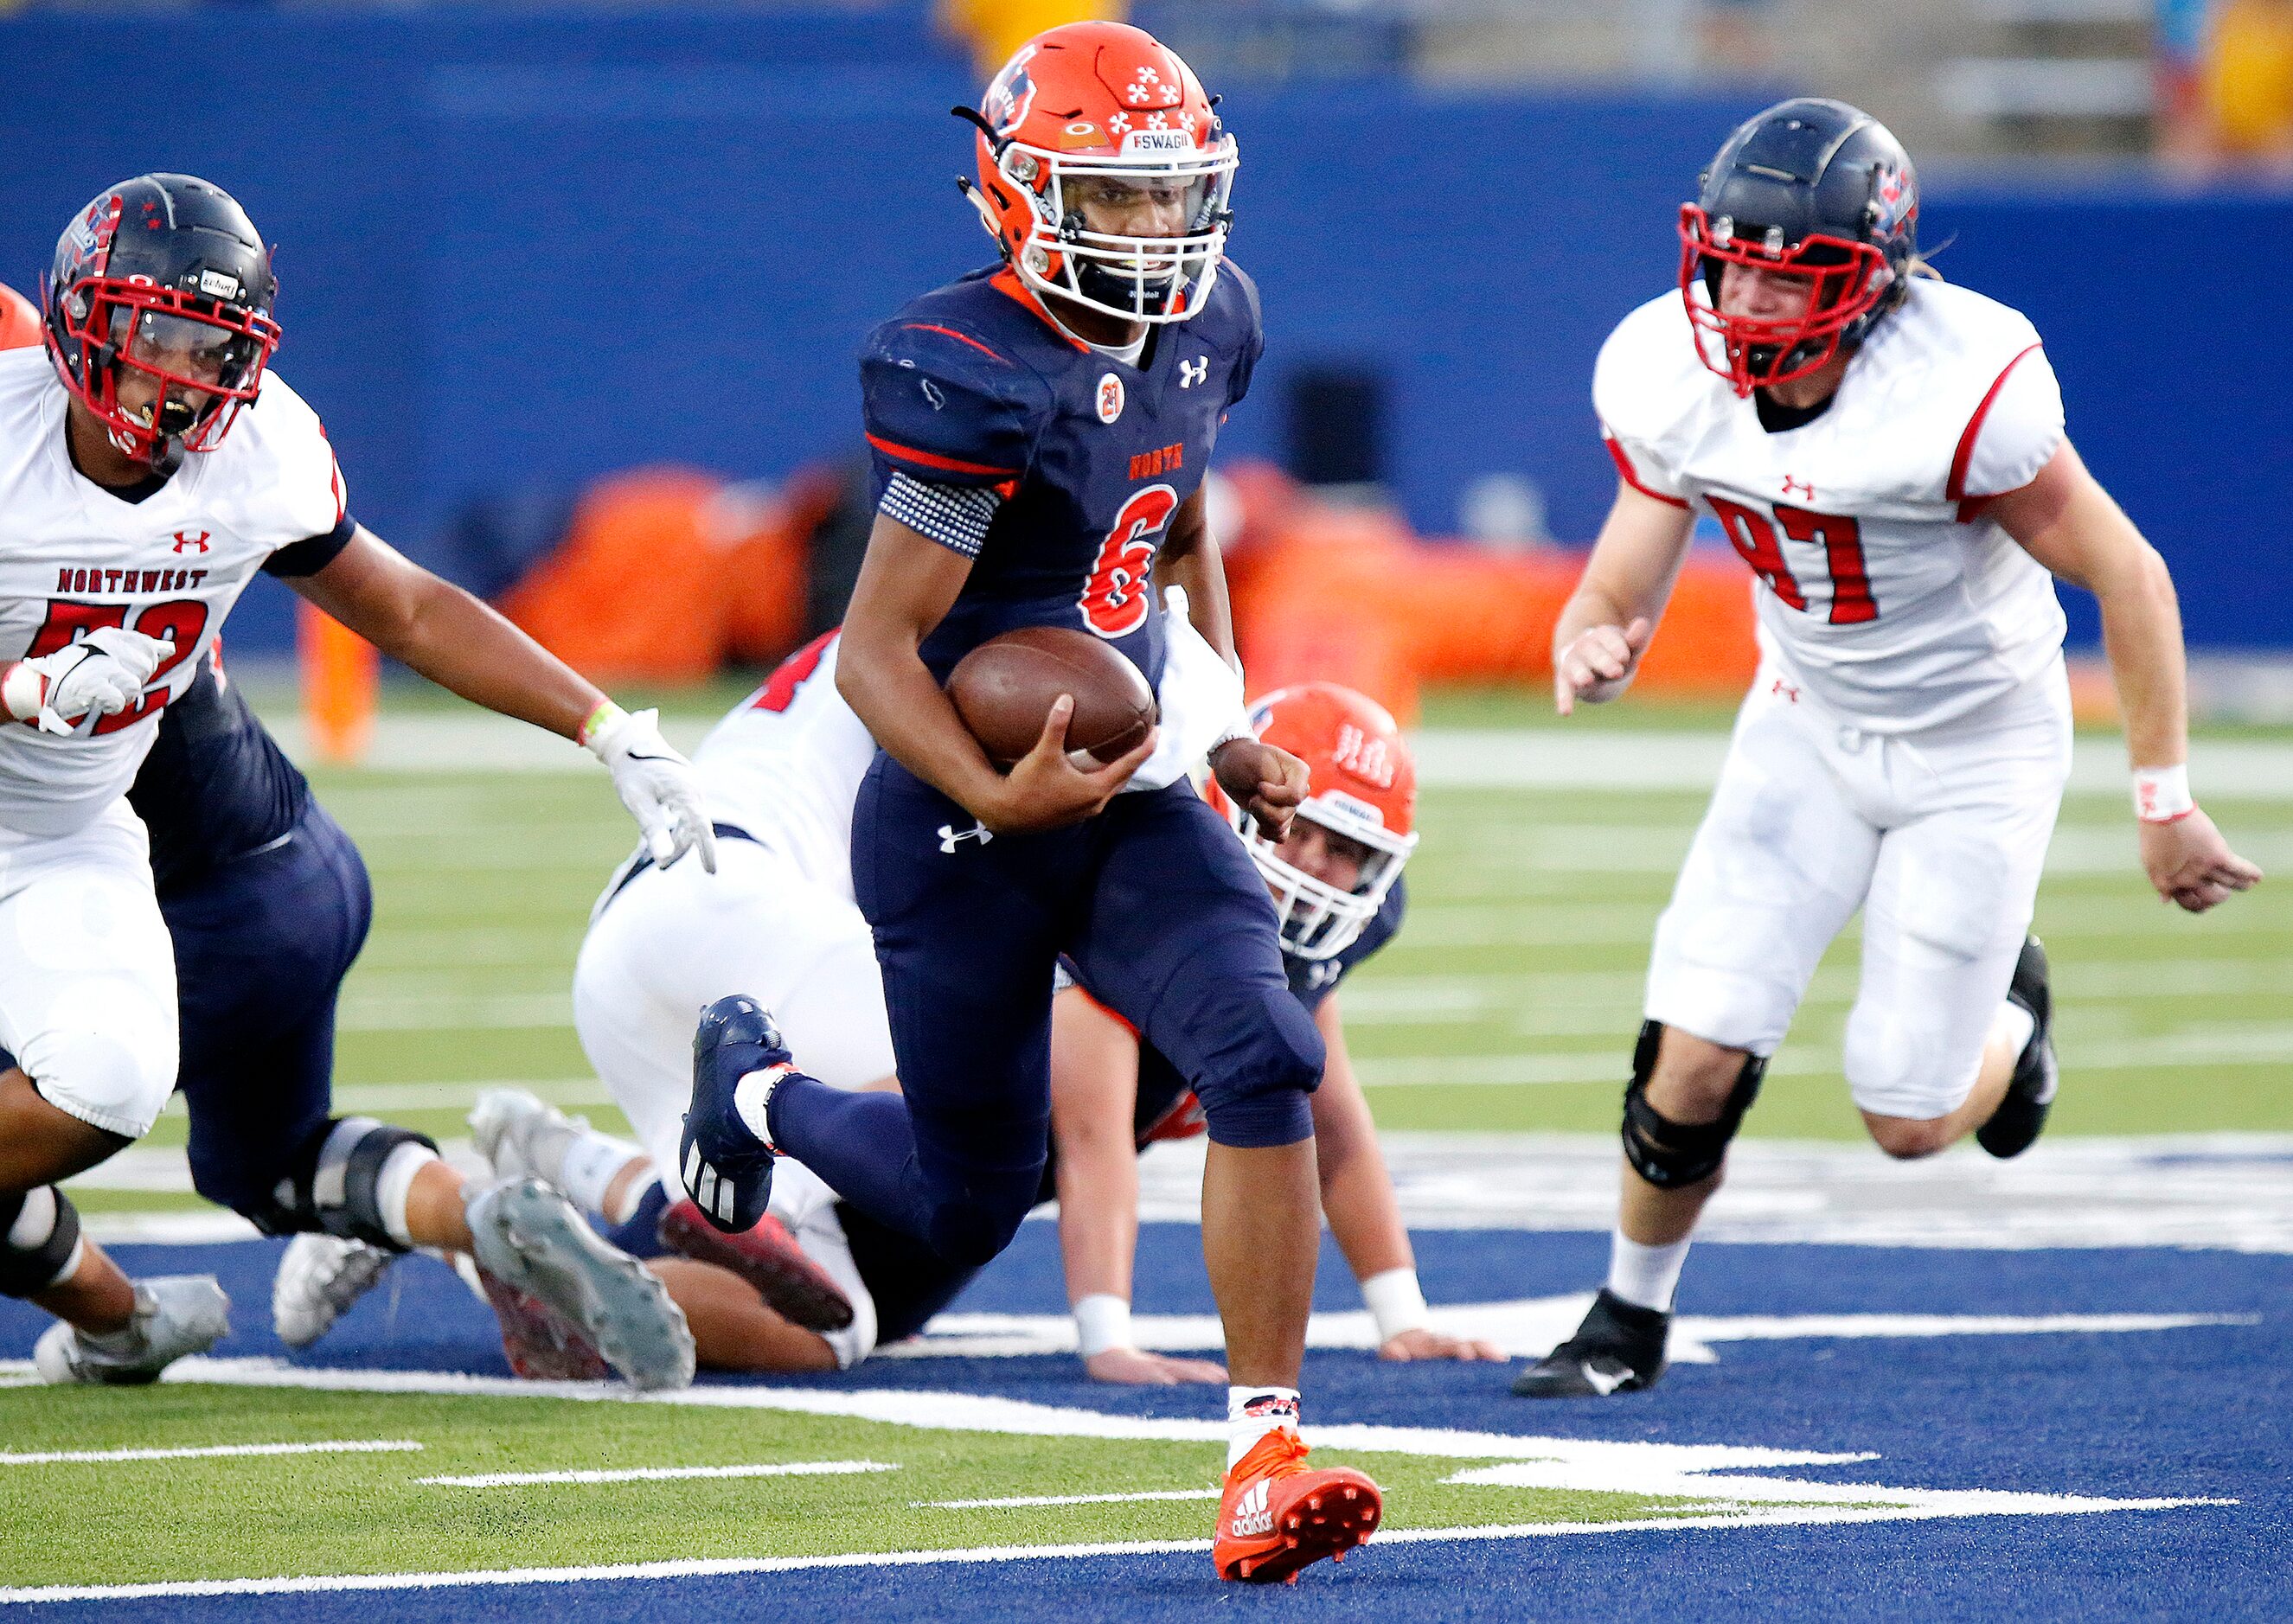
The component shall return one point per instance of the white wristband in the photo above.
(2162, 794)
(1396, 1302)
(22, 690)
(1102, 1321)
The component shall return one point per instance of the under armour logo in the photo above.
(185, 541)
(1194, 372)
(1802, 486)
(1785, 691)
(932, 394)
(948, 839)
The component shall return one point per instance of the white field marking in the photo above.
(567, 1091)
(1019, 1501)
(1527, 1328)
(443, 1011)
(656, 1474)
(1699, 1471)
(350, 1446)
(1571, 760)
(1784, 1516)
(2233, 1191)
(1376, 997)
(2270, 1047)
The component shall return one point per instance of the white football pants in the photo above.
(1938, 836)
(87, 971)
(675, 939)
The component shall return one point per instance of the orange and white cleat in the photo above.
(1278, 1516)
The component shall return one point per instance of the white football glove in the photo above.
(100, 674)
(656, 784)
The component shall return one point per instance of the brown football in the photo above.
(1004, 689)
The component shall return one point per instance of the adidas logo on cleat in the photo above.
(1251, 1515)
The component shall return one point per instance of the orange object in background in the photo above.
(19, 320)
(342, 677)
(665, 575)
(1349, 595)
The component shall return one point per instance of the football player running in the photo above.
(1887, 453)
(1040, 431)
(152, 464)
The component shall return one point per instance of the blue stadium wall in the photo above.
(516, 251)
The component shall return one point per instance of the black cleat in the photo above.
(1619, 1348)
(2030, 1091)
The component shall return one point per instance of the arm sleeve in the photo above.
(955, 516)
(2015, 431)
(313, 553)
(942, 407)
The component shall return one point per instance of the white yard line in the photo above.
(353, 1446)
(1782, 1517)
(1018, 1500)
(656, 1475)
(1551, 759)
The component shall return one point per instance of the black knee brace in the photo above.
(1672, 1154)
(333, 1188)
(51, 1225)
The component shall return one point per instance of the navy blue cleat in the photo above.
(725, 1165)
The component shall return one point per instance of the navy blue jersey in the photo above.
(971, 386)
(1315, 979)
(214, 787)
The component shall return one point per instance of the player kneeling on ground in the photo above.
(1887, 453)
(1337, 885)
(156, 465)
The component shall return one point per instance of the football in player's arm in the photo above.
(153, 464)
(1887, 453)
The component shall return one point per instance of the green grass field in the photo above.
(1508, 1003)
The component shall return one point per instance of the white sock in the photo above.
(1253, 1413)
(395, 1182)
(586, 1168)
(2013, 1024)
(1645, 1276)
(752, 1097)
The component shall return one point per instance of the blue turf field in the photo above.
(2203, 1412)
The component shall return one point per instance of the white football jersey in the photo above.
(786, 765)
(1881, 586)
(74, 557)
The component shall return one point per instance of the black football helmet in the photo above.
(1812, 188)
(165, 275)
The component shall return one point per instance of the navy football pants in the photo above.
(1162, 912)
(262, 946)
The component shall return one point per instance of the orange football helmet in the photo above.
(19, 321)
(1108, 103)
(1360, 784)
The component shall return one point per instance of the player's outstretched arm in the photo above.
(1094, 1097)
(2066, 521)
(436, 628)
(1611, 617)
(907, 584)
(1365, 1219)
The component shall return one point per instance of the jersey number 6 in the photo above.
(1840, 538)
(180, 621)
(1114, 601)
